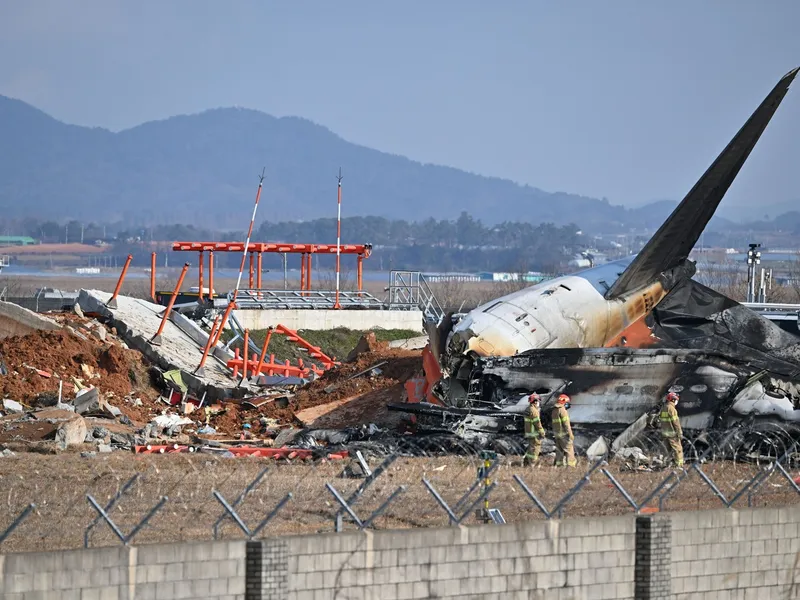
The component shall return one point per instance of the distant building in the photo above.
(529, 277)
(16, 240)
(439, 277)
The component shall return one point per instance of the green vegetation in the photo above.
(334, 342)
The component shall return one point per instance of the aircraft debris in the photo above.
(598, 450)
(623, 333)
(615, 338)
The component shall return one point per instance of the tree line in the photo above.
(460, 244)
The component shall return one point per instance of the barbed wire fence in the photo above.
(436, 481)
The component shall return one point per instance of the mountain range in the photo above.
(203, 169)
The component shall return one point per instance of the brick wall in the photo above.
(214, 571)
(745, 554)
(267, 576)
(653, 557)
(737, 554)
(580, 558)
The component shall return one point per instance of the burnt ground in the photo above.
(59, 484)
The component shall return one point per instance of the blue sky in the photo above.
(624, 99)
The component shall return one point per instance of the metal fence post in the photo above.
(16, 522)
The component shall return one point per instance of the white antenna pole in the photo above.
(232, 301)
(249, 233)
(336, 304)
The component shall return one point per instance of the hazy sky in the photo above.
(625, 99)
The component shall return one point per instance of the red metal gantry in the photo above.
(257, 249)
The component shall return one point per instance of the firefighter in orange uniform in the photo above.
(562, 431)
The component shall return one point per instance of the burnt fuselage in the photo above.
(611, 387)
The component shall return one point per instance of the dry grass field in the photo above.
(59, 485)
(455, 295)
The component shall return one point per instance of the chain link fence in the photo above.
(67, 501)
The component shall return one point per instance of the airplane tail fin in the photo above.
(674, 240)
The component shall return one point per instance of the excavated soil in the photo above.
(402, 365)
(115, 371)
(355, 401)
(123, 379)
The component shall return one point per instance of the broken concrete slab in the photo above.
(630, 433)
(137, 321)
(112, 411)
(414, 343)
(88, 402)
(12, 406)
(99, 332)
(76, 333)
(17, 320)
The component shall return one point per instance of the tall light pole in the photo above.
(753, 259)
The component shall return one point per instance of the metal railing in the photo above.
(772, 306)
(304, 299)
(409, 290)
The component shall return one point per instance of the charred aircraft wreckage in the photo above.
(619, 336)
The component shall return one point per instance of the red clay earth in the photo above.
(119, 372)
(401, 366)
(61, 354)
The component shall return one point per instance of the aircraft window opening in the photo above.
(604, 284)
(486, 310)
(565, 287)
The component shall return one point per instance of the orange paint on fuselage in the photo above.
(629, 322)
(636, 335)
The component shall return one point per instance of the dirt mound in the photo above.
(113, 360)
(401, 365)
(351, 393)
(61, 355)
(356, 399)
(368, 344)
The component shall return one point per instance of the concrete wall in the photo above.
(581, 558)
(214, 571)
(711, 554)
(137, 321)
(744, 554)
(318, 319)
(17, 320)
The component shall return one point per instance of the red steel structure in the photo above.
(256, 249)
